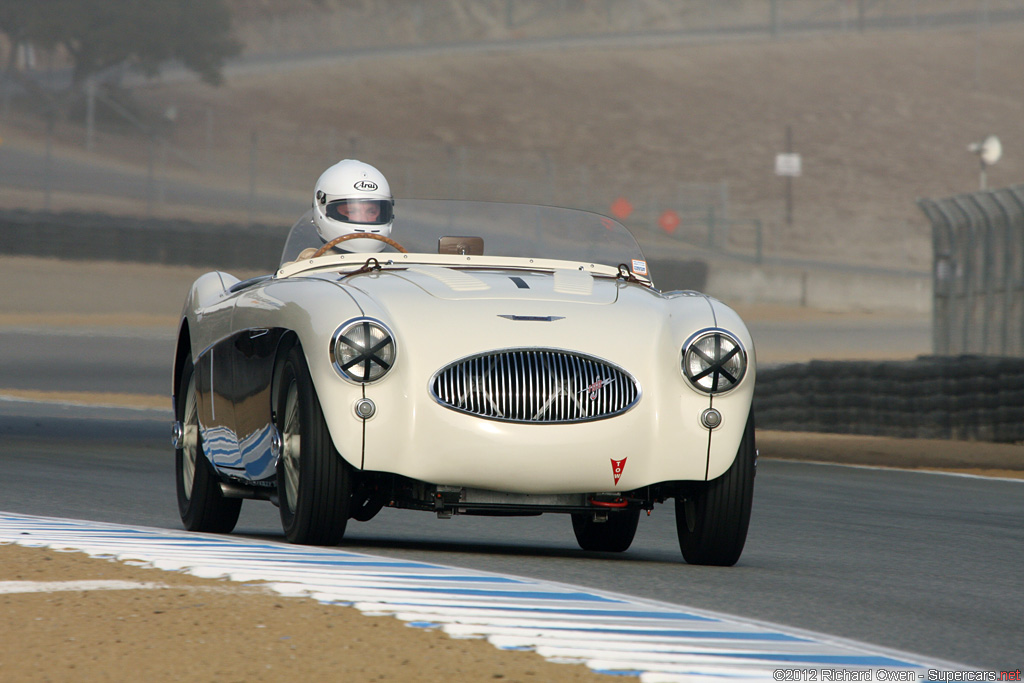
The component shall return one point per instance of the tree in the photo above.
(99, 34)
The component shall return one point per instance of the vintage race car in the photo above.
(503, 360)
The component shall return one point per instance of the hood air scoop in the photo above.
(533, 318)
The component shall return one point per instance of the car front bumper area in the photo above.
(655, 441)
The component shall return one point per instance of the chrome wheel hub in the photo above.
(187, 438)
(291, 447)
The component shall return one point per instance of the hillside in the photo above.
(880, 119)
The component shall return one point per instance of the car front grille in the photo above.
(545, 386)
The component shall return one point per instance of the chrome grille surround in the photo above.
(535, 386)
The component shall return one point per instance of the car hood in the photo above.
(444, 313)
(438, 282)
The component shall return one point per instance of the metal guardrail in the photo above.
(978, 245)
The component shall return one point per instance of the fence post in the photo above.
(209, 139)
(90, 113)
(759, 241)
(150, 175)
(1007, 282)
(723, 197)
(711, 226)
(967, 259)
(161, 185)
(253, 148)
(1018, 199)
(943, 272)
(987, 254)
(51, 122)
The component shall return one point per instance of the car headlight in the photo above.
(714, 361)
(363, 350)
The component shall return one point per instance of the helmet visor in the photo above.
(360, 211)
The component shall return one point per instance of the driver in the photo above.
(352, 198)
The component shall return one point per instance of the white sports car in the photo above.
(504, 359)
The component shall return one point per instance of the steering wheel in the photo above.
(359, 235)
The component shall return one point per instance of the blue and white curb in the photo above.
(610, 633)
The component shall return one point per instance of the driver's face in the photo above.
(360, 212)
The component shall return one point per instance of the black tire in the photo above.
(712, 517)
(314, 482)
(201, 504)
(613, 536)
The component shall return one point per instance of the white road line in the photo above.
(911, 470)
(610, 633)
(11, 587)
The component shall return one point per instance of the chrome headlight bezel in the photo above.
(358, 361)
(716, 370)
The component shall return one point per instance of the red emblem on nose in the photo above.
(593, 390)
(617, 467)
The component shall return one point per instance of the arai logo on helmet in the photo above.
(365, 186)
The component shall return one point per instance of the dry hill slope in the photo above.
(880, 119)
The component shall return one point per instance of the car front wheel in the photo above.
(201, 504)
(314, 482)
(712, 517)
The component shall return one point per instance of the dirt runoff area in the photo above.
(143, 624)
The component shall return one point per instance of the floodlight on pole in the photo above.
(989, 151)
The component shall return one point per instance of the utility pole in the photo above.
(789, 179)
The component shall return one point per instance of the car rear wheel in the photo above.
(314, 482)
(712, 517)
(614, 535)
(201, 504)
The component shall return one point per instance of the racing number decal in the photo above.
(617, 467)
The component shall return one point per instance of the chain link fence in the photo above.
(978, 243)
(235, 174)
(413, 22)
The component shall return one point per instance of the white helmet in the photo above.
(353, 197)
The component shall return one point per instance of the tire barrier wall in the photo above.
(74, 236)
(978, 276)
(977, 398)
(672, 274)
(79, 236)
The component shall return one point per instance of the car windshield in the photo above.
(505, 230)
